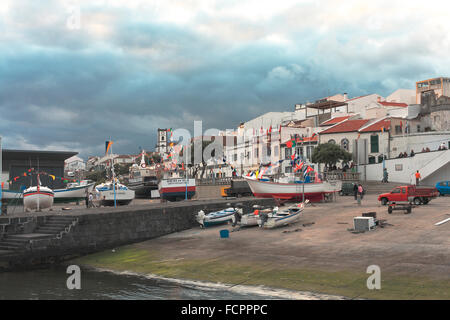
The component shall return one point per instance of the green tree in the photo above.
(99, 176)
(122, 169)
(330, 154)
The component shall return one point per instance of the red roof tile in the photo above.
(346, 126)
(393, 104)
(334, 121)
(386, 124)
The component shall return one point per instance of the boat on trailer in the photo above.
(286, 189)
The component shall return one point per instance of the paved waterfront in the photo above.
(413, 253)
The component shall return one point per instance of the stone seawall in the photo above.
(103, 228)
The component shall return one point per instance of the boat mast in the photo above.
(38, 183)
(113, 175)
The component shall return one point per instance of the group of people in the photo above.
(405, 155)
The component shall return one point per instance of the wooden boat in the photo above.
(215, 218)
(176, 189)
(38, 198)
(122, 194)
(313, 191)
(278, 218)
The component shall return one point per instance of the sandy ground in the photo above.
(413, 244)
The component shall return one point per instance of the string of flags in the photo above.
(32, 171)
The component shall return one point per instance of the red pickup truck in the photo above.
(411, 194)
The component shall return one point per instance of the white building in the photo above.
(74, 163)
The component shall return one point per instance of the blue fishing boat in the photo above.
(215, 218)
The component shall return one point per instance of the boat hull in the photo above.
(276, 221)
(34, 199)
(72, 194)
(123, 197)
(176, 189)
(216, 218)
(314, 192)
(249, 220)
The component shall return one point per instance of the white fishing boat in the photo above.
(143, 178)
(278, 218)
(293, 190)
(121, 195)
(37, 198)
(74, 191)
(214, 218)
(251, 219)
(176, 189)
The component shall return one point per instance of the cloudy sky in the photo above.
(121, 69)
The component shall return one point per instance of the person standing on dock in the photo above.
(87, 198)
(418, 177)
(385, 175)
(360, 194)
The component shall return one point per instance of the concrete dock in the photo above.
(28, 239)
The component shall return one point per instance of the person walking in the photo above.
(418, 177)
(385, 175)
(355, 191)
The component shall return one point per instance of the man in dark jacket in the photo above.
(355, 191)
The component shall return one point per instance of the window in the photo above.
(371, 159)
(287, 153)
(374, 144)
(398, 129)
(235, 157)
(256, 153)
(288, 170)
(397, 190)
(275, 151)
(344, 144)
(418, 128)
(332, 141)
(162, 138)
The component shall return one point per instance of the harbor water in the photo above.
(50, 284)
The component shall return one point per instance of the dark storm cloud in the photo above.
(122, 76)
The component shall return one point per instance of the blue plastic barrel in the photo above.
(224, 233)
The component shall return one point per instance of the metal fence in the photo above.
(339, 175)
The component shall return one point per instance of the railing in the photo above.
(213, 181)
(344, 176)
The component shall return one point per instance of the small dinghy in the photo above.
(214, 218)
(278, 218)
(250, 219)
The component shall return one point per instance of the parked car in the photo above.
(347, 189)
(410, 194)
(443, 187)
